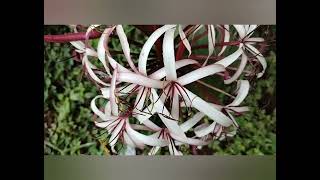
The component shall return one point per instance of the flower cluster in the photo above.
(134, 95)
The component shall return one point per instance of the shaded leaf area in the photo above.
(68, 120)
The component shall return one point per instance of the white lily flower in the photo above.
(164, 92)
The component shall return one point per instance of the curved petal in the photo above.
(104, 116)
(200, 73)
(140, 100)
(126, 89)
(140, 79)
(151, 141)
(226, 38)
(113, 103)
(239, 109)
(260, 58)
(79, 45)
(172, 125)
(206, 108)
(125, 46)
(184, 39)
(91, 73)
(161, 73)
(192, 121)
(143, 57)
(116, 133)
(175, 109)
(231, 58)
(151, 125)
(232, 118)
(101, 50)
(204, 129)
(114, 64)
(211, 42)
(168, 54)
(243, 91)
(105, 92)
(241, 67)
(241, 30)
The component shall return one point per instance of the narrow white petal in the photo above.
(255, 39)
(172, 125)
(151, 125)
(125, 90)
(140, 99)
(260, 58)
(192, 121)
(251, 28)
(90, 71)
(79, 45)
(151, 141)
(175, 109)
(91, 52)
(243, 91)
(161, 73)
(105, 92)
(239, 109)
(101, 50)
(206, 108)
(113, 103)
(204, 129)
(232, 118)
(125, 46)
(107, 109)
(140, 79)
(94, 108)
(168, 54)
(241, 67)
(200, 73)
(148, 45)
(116, 133)
(241, 30)
(184, 39)
(114, 64)
(231, 58)
(103, 124)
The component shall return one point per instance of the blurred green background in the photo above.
(68, 124)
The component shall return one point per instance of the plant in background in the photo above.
(147, 102)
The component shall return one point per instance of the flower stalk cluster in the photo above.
(134, 95)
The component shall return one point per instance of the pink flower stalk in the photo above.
(134, 95)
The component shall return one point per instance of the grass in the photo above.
(68, 124)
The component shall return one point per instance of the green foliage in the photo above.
(68, 123)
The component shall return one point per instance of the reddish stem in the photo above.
(64, 38)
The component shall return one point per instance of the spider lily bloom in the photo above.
(117, 123)
(174, 89)
(245, 49)
(142, 83)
